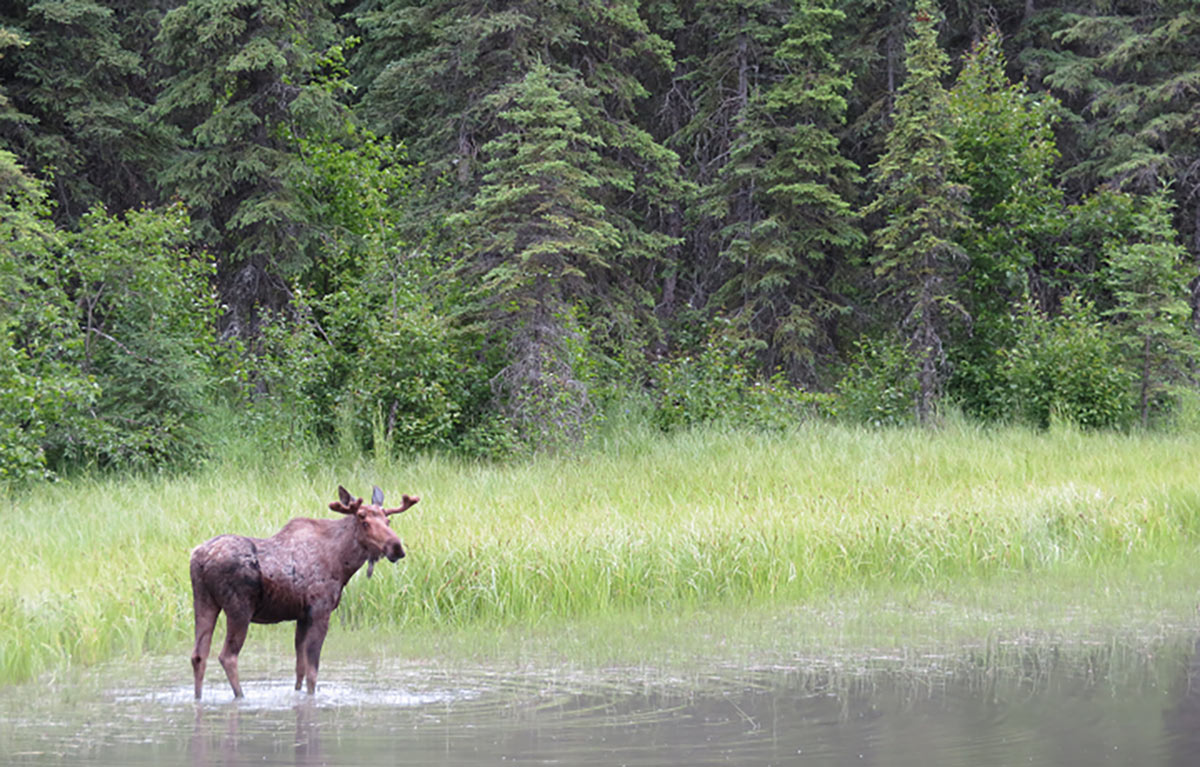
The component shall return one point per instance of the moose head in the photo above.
(373, 532)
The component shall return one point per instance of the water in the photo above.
(1110, 700)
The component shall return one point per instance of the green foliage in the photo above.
(39, 385)
(536, 233)
(600, 57)
(147, 322)
(1131, 71)
(109, 355)
(879, 386)
(539, 243)
(414, 383)
(366, 358)
(78, 88)
(1003, 136)
(1067, 367)
(593, 181)
(717, 387)
(1148, 274)
(243, 80)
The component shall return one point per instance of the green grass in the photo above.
(97, 568)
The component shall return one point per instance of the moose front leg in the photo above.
(310, 653)
(302, 627)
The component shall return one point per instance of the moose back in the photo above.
(295, 575)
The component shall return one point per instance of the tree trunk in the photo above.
(1145, 387)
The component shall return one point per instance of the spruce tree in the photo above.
(539, 243)
(1148, 273)
(435, 71)
(1129, 72)
(77, 89)
(921, 210)
(795, 224)
(247, 77)
(724, 63)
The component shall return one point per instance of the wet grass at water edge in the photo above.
(639, 522)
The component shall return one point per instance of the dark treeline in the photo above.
(481, 226)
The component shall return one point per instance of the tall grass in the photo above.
(98, 567)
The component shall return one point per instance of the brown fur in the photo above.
(295, 575)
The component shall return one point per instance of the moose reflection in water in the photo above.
(295, 575)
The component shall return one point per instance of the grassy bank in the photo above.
(97, 568)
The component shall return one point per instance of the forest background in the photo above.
(488, 228)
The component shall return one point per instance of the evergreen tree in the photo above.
(540, 244)
(246, 78)
(794, 224)
(10, 116)
(437, 68)
(1129, 71)
(1149, 274)
(870, 47)
(77, 93)
(917, 257)
(724, 64)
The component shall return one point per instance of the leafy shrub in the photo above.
(409, 379)
(39, 337)
(880, 385)
(716, 387)
(366, 357)
(146, 324)
(373, 369)
(1069, 367)
(30, 401)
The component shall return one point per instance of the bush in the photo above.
(410, 385)
(370, 369)
(880, 385)
(1067, 367)
(146, 324)
(716, 387)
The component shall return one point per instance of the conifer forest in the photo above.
(490, 227)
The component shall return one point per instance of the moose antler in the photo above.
(408, 500)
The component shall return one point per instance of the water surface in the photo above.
(1105, 700)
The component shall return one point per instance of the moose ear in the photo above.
(377, 496)
(408, 500)
(346, 505)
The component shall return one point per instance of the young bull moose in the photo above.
(295, 575)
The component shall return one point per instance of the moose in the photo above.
(295, 575)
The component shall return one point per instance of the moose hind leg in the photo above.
(206, 620)
(236, 627)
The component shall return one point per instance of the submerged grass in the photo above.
(640, 522)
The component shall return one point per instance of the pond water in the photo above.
(1110, 700)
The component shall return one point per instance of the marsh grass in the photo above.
(639, 523)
